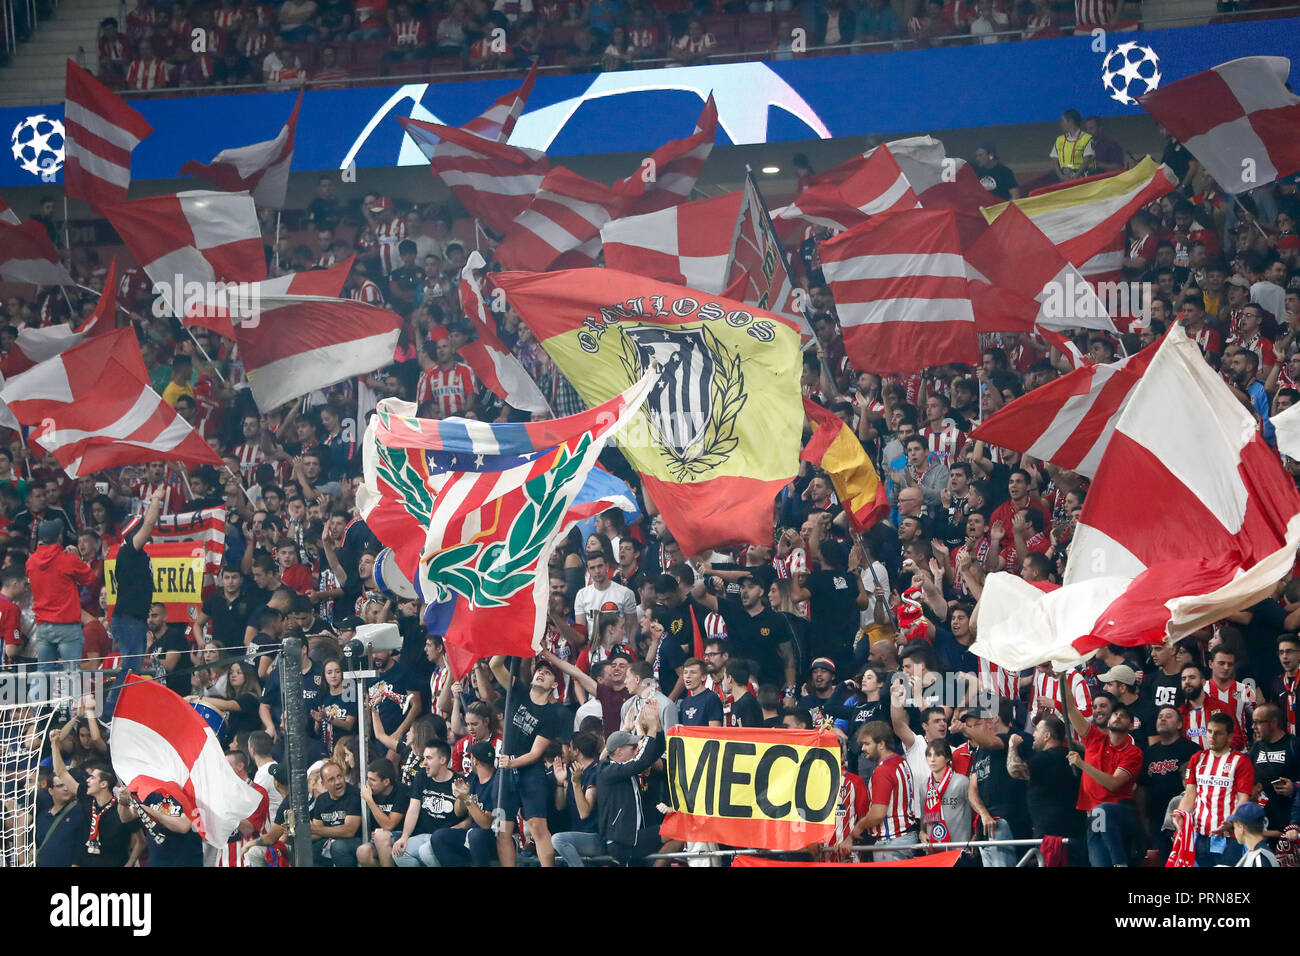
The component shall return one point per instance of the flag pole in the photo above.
(498, 815)
(871, 566)
(785, 258)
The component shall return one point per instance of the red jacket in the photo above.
(55, 575)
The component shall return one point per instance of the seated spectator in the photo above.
(512, 10)
(694, 46)
(877, 22)
(928, 24)
(146, 71)
(603, 16)
(645, 35)
(619, 52)
(369, 20)
(1041, 23)
(528, 46)
(989, 21)
(114, 54)
(333, 20)
(830, 24)
(296, 18)
(450, 38)
(584, 55)
(406, 38)
(491, 51)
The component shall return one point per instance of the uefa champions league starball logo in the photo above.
(1129, 71)
(38, 145)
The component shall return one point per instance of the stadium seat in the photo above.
(368, 55)
(756, 32)
(723, 28)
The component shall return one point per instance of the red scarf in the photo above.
(1184, 848)
(934, 821)
(1289, 695)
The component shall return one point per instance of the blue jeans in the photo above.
(58, 642)
(1111, 828)
(1229, 857)
(1000, 855)
(575, 845)
(449, 846)
(905, 840)
(419, 851)
(129, 634)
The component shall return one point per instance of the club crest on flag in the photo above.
(700, 392)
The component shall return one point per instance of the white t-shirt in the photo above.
(589, 602)
(264, 780)
(591, 708)
(920, 767)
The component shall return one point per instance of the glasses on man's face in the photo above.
(712, 653)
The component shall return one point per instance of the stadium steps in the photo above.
(36, 74)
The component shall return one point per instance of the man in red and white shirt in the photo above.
(447, 383)
(892, 817)
(850, 808)
(1047, 694)
(695, 46)
(1217, 781)
(361, 289)
(944, 438)
(389, 229)
(1198, 706)
(249, 452)
(146, 71)
(1232, 695)
(157, 475)
(407, 35)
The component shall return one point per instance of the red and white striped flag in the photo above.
(99, 132)
(28, 255)
(842, 197)
(689, 244)
(215, 312)
(1239, 119)
(261, 169)
(162, 745)
(195, 236)
(36, 345)
(298, 343)
(207, 528)
(901, 291)
(1070, 420)
(667, 176)
(92, 408)
(560, 229)
(489, 359)
(1134, 576)
(7, 214)
(495, 182)
(497, 122)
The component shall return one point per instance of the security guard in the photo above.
(1073, 150)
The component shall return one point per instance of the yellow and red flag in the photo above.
(838, 452)
(718, 436)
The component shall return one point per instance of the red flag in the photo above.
(689, 244)
(37, 345)
(497, 122)
(560, 229)
(667, 176)
(847, 195)
(92, 408)
(261, 169)
(489, 359)
(28, 255)
(100, 131)
(902, 294)
(214, 312)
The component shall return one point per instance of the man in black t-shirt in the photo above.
(387, 799)
(431, 806)
(1163, 684)
(532, 724)
(133, 575)
(836, 600)
(397, 691)
(108, 832)
(755, 631)
(335, 820)
(1052, 785)
(993, 175)
(1276, 757)
(995, 796)
(170, 837)
(1161, 778)
(745, 710)
(228, 609)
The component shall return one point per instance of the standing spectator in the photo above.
(447, 385)
(1109, 154)
(915, 747)
(1284, 689)
(54, 573)
(994, 174)
(1231, 695)
(625, 827)
(1163, 764)
(134, 573)
(1073, 150)
(1218, 780)
(946, 811)
(701, 707)
(997, 798)
(603, 595)
(1052, 790)
(892, 819)
(575, 785)
(1276, 758)
(1111, 762)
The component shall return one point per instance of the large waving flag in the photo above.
(561, 226)
(1240, 120)
(162, 745)
(476, 509)
(221, 307)
(92, 408)
(498, 121)
(100, 130)
(36, 345)
(1070, 420)
(842, 197)
(27, 255)
(720, 434)
(667, 176)
(759, 274)
(261, 169)
(901, 289)
(687, 244)
(1134, 575)
(1083, 219)
(494, 364)
(837, 451)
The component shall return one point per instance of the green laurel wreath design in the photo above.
(477, 571)
(719, 439)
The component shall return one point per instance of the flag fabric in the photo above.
(36, 345)
(99, 132)
(1183, 851)
(1070, 420)
(494, 364)
(162, 745)
(28, 255)
(942, 859)
(1028, 281)
(941, 181)
(842, 197)
(1134, 577)
(497, 122)
(495, 182)
(601, 485)
(560, 229)
(689, 244)
(1084, 217)
(836, 450)
(194, 236)
(261, 169)
(1239, 119)
(212, 309)
(299, 343)
(759, 273)
(92, 408)
(667, 176)
(901, 290)
(206, 528)
(719, 437)
(1287, 430)
(7, 214)
(476, 509)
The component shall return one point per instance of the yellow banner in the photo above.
(177, 578)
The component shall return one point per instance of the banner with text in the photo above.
(177, 578)
(752, 787)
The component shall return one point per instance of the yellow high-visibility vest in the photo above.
(1069, 152)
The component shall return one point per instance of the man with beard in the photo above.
(996, 797)
(822, 689)
(1161, 779)
(1277, 765)
(754, 630)
(1053, 786)
(1198, 706)
(1243, 367)
(1111, 762)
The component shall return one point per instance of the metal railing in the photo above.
(1033, 851)
(879, 46)
(9, 19)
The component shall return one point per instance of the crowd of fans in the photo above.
(326, 44)
(868, 636)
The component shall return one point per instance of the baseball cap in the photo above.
(482, 752)
(49, 532)
(1121, 673)
(540, 664)
(823, 662)
(347, 623)
(619, 738)
(279, 773)
(1249, 813)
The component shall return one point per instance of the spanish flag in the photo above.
(718, 437)
(838, 452)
